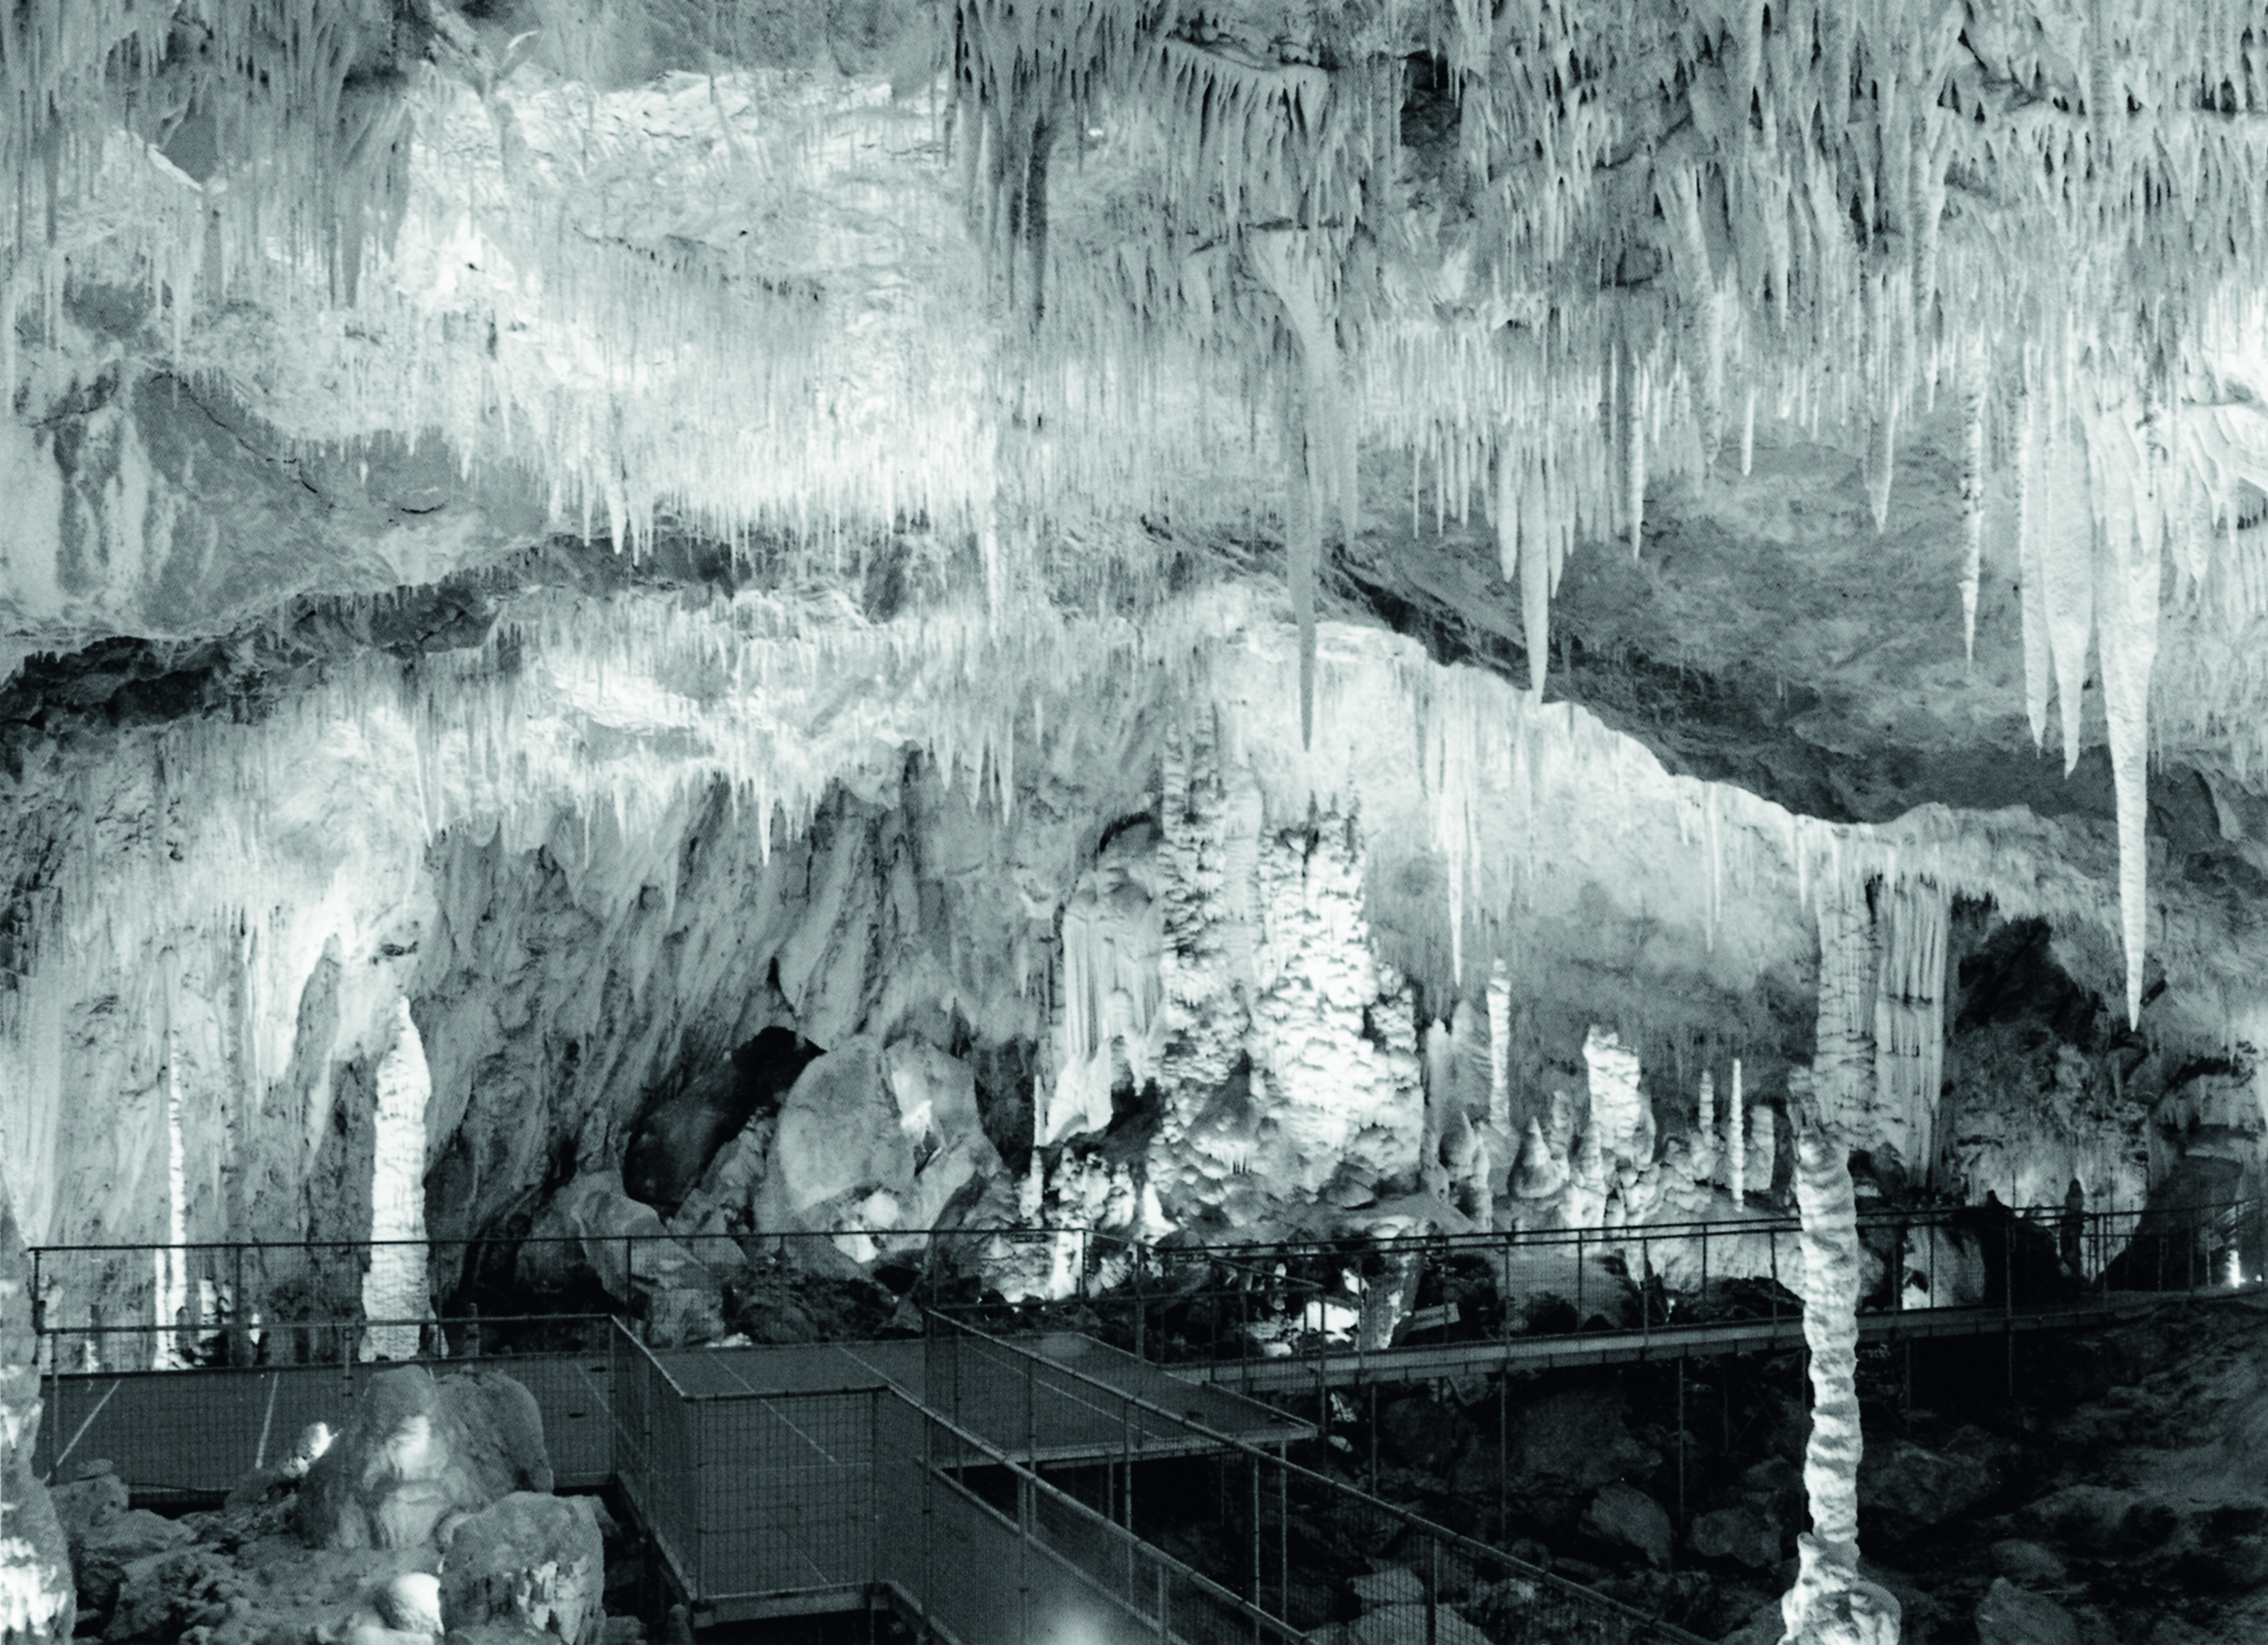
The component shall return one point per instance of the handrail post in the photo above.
(1024, 1556)
(1252, 1470)
(1644, 1276)
(1433, 1590)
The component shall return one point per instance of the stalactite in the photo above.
(2128, 569)
(2033, 481)
(1910, 1018)
(1972, 504)
(1303, 552)
(1843, 1061)
(2067, 558)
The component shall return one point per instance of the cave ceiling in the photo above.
(1857, 407)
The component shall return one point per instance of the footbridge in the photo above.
(990, 1491)
(1106, 1458)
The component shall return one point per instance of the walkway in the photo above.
(1293, 1373)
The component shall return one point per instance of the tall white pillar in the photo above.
(394, 1288)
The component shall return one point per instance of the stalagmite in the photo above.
(394, 1288)
(1705, 1130)
(1763, 1148)
(1499, 1022)
(1830, 1603)
(1622, 1122)
(1736, 1151)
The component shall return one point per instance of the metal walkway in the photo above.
(768, 1501)
(1293, 1374)
(964, 1379)
(185, 1438)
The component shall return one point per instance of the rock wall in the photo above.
(596, 840)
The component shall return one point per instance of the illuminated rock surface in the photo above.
(1259, 620)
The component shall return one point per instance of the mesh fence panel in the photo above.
(185, 1435)
(784, 1497)
(991, 1551)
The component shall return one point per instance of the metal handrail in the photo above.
(1449, 1538)
(1031, 1477)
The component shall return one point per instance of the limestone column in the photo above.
(395, 1287)
(1830, 1603)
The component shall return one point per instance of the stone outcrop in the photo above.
(38, 1597)
(532, 1558)
(416, 1452)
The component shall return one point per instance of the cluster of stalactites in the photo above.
(2099, 505)
(1913, 920)
(289, 111)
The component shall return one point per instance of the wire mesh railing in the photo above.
(172, 1438)
(1310, 1299)
(1171, 1302)
(1293, 1548)
(755, 1497)
(985, 1548)
(230, 1303)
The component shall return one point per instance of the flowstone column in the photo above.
(1830, 1602)
(395, 1287)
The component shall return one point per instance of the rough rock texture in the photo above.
(533, 1558)
(1830, 1601)
(1621, 1516)
(839, 1134)
(1740, 1533)
(1913, 1487)
(102, 1556)
(415, 1452)
(2008, 1615)
(37, 1601)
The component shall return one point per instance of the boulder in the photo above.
(1623, 1517)
(162, 1596)
(535, 1560)
(414, 1451)
(2027, 1564)
(1915, 1487)
(119, 1540)
(839, 1130)
(2098, 1519)
(1398, 1625)
(1422, 1433)
(1742, 1533)
(411, 1603)
(1579, 1435)
(92, 1496)
(595, 1225)
(2009, 1616)
(1388, 1585)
